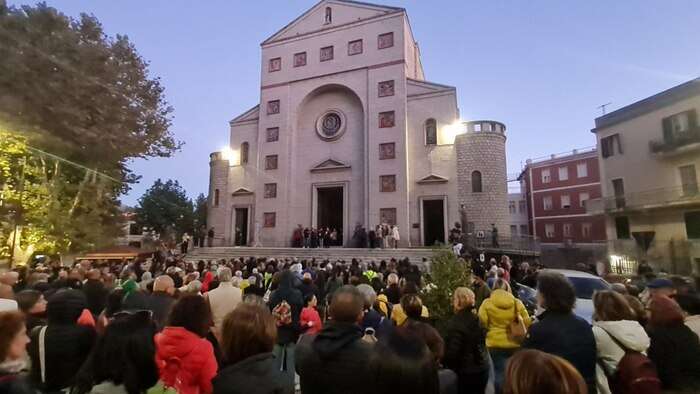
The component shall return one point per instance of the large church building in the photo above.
(349, 132)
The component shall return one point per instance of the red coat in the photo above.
(310, 315)
(185, 361)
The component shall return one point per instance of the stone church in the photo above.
(349, 132)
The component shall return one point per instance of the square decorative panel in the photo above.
(326, 53)
(386, 88)
(270, 190)
(271, 162)
(387, 183)
(269, 219)
(387, 151)
(273, 134)
(385, 40)
(354, 47)
(386, 119)
(300, 59)
(275, 64)
(387, 215)
(273, 107)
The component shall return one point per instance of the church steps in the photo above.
(415, 255)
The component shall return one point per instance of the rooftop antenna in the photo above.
(602, 107)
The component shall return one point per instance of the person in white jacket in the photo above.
(395, 237)
(613, 322)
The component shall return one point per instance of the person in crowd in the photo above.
(309, 318)
(535, 372)
(689, 303)
(393, 291)
(616, 332)
(481, 291)
(398, 316)
(64, 344)
(372, 318)
(123, 359)
(496, 314)
(162, 299)
(395, 236)
(7, 298)
(465, 344)
(335, 360)
(307, 286)
(224, 299)
(210, 237)
(33, 305)
(660, 287)
(559, 331)
(402, 363)
(248, 335)
(95, 292)
(286, 304)
(674, 348)
(186, 360)
(13, 350)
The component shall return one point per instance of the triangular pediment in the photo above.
(433, 178)
(343, 12)
(416, 87)
(251, 114)
(242, 192)
(330, 165)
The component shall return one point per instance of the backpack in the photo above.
(282, 313)
(635, 374)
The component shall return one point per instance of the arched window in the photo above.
(244, 153)
(476, 182)
(216, 197)
(329, 15)
(430, 132)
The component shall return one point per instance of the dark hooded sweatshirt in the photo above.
(286, 291)
(335, 361)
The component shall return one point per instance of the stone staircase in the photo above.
(224, 252)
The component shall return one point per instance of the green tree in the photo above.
(447, 273)
(165, 208)
(200, 210)
(88, 99)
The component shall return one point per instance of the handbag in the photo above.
(516, 329)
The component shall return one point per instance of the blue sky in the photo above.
(542, 67)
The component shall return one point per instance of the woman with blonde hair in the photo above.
(465, 350)
(499, 315)
(536, 372)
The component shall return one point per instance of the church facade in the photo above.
(349, 132)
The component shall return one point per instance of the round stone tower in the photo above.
(482, 188)
(217, 212)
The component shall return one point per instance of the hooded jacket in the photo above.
(629, 333)
(185, 361)
(66, 343)
(287, 292)
(259, 374)
(496, 313)
(334, 361)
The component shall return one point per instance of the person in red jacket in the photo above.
(310, 319)
(184, 357)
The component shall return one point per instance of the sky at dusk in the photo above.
(541, 67)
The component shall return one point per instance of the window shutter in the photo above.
(668, 130)
(604, 147)
(619, 143)
(692, 119)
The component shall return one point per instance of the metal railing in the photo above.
(675, 141)
(485, 240)
(678, 195)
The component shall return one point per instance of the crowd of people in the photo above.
(282, 326)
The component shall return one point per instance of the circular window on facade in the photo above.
(331, 125)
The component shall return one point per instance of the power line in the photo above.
(78, 165)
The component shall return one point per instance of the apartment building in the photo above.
(649, 154)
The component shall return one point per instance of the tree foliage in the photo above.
(446, 274)
(165, 208)
(200, 210)
(69, 89)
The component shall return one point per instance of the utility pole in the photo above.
(602, 107)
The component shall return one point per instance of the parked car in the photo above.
(585, 285)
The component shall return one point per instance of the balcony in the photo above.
(673, 197)
(674, 144)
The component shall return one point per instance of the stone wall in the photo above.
(485, 152)
(218, 214)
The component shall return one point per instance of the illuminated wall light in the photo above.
(233, 156)
(451, 131)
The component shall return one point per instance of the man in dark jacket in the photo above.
(95, 292)
(335, 360)
(287, 333)
(161, 301)
(66, 344)
(558, 331)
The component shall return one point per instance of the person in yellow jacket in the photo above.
(496, 315)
